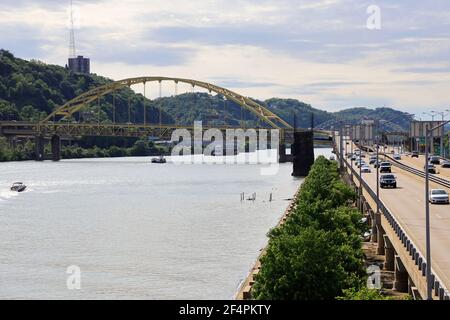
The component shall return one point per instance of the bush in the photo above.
(317, 253)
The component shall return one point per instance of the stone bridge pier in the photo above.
(39, 147)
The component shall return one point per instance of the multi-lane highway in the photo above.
(407, 203)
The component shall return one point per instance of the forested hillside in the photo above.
(29, 90)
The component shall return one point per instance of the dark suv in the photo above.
(435, 160)
(385, 167)
(415, 154)
(388, 180)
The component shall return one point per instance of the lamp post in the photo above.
(428, 133)
(352, 137)
(443, 115)
(360, 159)
(378, 169)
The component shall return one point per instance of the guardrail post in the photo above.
(389, 254)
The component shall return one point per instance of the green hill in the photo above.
(29, 90)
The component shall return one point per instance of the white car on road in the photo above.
(439, 196)
(365, 168)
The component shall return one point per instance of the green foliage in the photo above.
(25, 84)
(317, 253)
(362, 293)
(8, 111)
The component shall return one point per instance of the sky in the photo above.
(332, 54)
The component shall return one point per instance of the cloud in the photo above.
(316, 50)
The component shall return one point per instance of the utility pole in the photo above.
(378, 168)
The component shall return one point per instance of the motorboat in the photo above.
(160, 159)
(18, 186)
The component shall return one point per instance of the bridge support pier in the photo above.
(303, 151)
(389, 254)
(56, 148)
(380, 239)
(401, 276)
(374, 226)
(282, 157)
(39, 143)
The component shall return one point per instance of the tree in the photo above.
(8, 111)
(140, 148)
(303, 267)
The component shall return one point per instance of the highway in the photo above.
(418, 163)
(407, 203)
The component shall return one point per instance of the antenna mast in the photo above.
(72, 51)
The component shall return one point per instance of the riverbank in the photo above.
(244, 290)
(26, 151)
(318, 251)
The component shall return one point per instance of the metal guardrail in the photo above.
(438, 286)
(420, 173)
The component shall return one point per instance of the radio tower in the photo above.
(78, 64)
(72, 51)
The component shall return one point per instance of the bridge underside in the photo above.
(162, 132)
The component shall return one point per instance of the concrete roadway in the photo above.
(418, 163)
(407, 203)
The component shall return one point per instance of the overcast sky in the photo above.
(318, 51)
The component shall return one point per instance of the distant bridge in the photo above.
(62, 122)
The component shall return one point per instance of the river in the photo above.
(135, 230)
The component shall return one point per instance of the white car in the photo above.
(439, 196)
(365, 168)
(397, 157)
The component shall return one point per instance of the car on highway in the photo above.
(385, 167)
(376, 164)
(388, 180)
(360, 163)
(353, 157)
(435, 160)
(365, 169)
(397, 157)
(438, 196)
(332, 158)
(415, 154)
(445, 164)
(372, 159)
(431, 168)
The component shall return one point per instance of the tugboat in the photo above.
(18, 186)
(161, 159)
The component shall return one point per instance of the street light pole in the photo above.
(428, 133)
(378, 170)
(360, 159)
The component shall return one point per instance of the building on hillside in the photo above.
(80, 64)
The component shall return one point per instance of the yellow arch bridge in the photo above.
(61, 122)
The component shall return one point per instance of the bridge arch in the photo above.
(83, 100)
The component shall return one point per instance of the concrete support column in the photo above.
(303, 151)
(39, 142)
(374, 226)
(389, 254)
(282, 157)
(380, 240)
(56, 148)
(401, 276)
